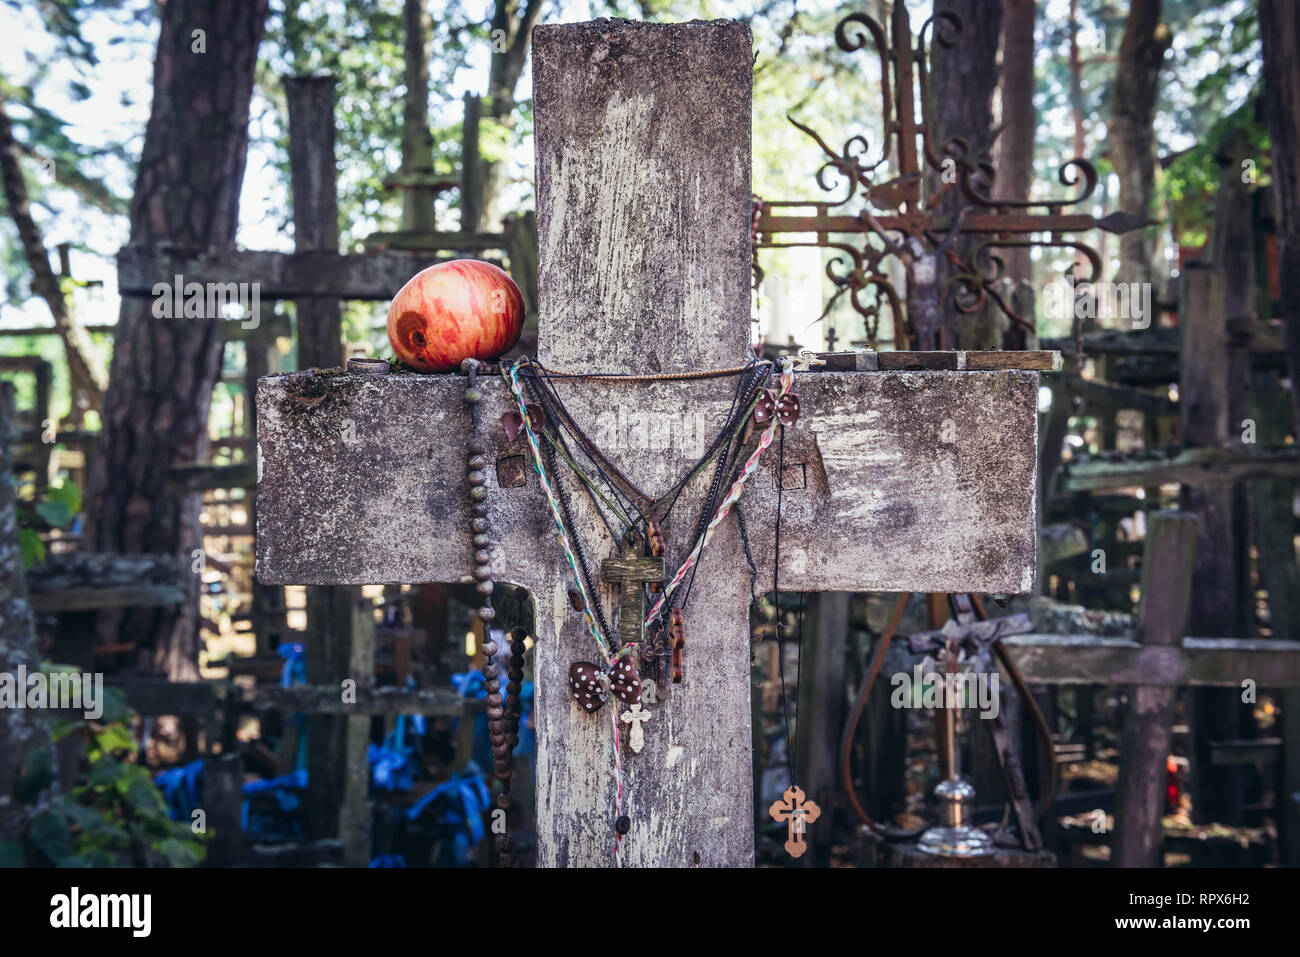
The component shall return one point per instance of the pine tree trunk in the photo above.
(160, 386)
(1132, 136)
(1014, 149)
(21, 729)
(1279, 29)
(511, 35)
(961, 105)
(84, 374)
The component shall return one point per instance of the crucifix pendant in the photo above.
(632, 571)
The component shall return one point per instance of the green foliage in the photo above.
(59, 507)
(113, 818)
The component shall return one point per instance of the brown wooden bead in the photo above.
(490, 670)
(497, 712)
(482, 573)
(492, 684)
(486, 613)
(495, 699)
(489, 649)
(479, 525)
(475, 447)
(477, 462)
(477, 478)
(503, 801)
(482, 557)
(512, 687)
(484, 587)
(478, 509)
(482, 541)
(477, 493)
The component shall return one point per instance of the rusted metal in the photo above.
(896, 212)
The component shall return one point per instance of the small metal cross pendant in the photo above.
(631, 571)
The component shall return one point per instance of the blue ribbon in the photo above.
(295, 664)
(281, 789)
(181, 789)
(468, 795)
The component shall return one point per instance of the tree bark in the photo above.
(160, 387)
(1279, 30)
(20, 729)
(512, 30)
(86, 378)
(1132, 136)
(962, 83)
(1014, 150)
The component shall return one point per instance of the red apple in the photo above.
(463, 309)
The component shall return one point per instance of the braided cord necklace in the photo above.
(746, 397)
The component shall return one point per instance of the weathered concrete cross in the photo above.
(893, 481)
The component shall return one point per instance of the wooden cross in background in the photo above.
(893, 480)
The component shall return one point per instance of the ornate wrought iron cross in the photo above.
(897, 219)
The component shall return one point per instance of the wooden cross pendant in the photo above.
(631, 570)
(797, 812)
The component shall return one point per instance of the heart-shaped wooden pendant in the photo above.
(586, 687)
(625, 682)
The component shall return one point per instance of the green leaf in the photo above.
(37, 773)
(115, 737)
(11, 854)
(32, 547)
(56, 514)
(50, 835)
(68, 494)
(181, 853)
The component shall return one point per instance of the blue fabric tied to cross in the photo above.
(295, 664)
(268, 827)
(182, 789)
(392, 764)
(389, 860)
(463, 798)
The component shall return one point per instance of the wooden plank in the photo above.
(157, 696)
(1087, 660)
(319, 274)
(1205, 398)
(354, 812)
(1144, 743)
(118, 596)
(309, 699)
(868, 447)
(205, 476)
(643, 205)
(1190, 466)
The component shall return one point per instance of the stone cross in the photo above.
(893, 480)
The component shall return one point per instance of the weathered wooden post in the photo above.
(643, 164)
(1167, 561)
